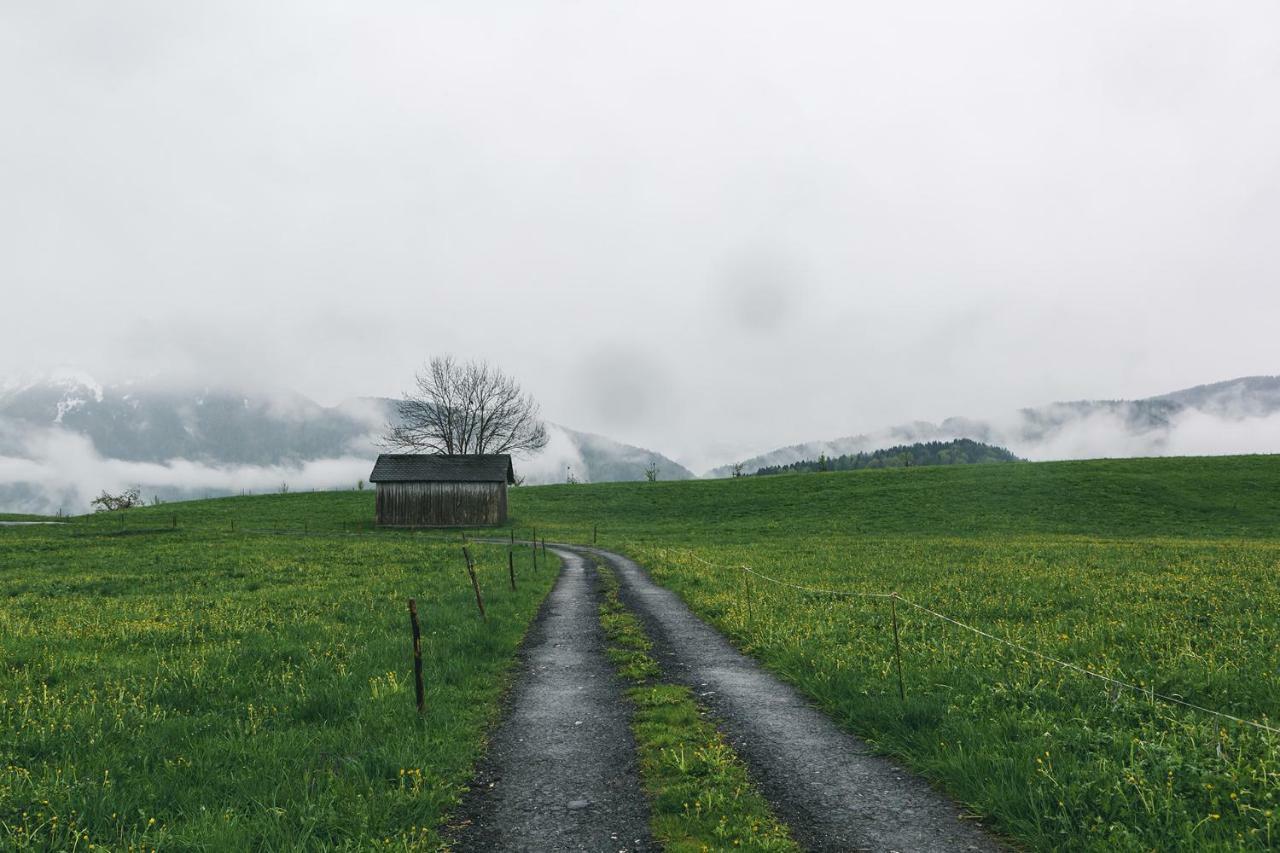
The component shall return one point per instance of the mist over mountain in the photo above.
(1235, 416)
(65, 437)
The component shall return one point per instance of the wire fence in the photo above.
(1147, 692)
(290, 528)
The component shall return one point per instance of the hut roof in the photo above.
(418, 467)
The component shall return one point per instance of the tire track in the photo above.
(560, 773)
(822, 781)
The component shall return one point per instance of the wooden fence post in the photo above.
(475, 584)
(746, 580)
(511, 568)
(534, 546)
(417, 656)
(595, 530)
(897, 650)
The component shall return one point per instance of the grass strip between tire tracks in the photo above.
(701, 795)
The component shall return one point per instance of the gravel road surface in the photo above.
(560, 773)
(822, 781)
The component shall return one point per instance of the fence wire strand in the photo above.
(1115, 682)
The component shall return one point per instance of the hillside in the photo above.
(1208, 497)
(1236, 416)
(961, 451)
(1012, 590)
(1152, 572)
(66, 437)
(1183, 497)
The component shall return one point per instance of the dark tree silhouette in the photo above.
(459, 408)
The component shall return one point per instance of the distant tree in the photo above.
(284, 488)
(737, 470)
(359, 485)
(568, 477)
(107, 502)
(651, 472)
(459, 408)
(961, 451)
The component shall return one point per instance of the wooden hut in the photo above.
(418, 490)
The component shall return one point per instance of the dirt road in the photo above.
(822, 781)
(560, 773)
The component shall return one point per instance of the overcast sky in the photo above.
(707, 228)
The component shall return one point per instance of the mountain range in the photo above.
(65, 437)
(1236, 416)
(65, 433)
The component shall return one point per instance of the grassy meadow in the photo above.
(1163, 573)
(192, 688)
(235, 673)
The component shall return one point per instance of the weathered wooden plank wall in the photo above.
(441, 504)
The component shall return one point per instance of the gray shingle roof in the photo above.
(417, 467)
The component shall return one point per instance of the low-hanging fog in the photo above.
(708, 230)
(54, 465)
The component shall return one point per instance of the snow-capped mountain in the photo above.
(64, 437)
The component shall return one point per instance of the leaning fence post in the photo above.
(475, 584)
(417, 656)
(595, 530)
(511, 568)
(897, 649)
(534, 546)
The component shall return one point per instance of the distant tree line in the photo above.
(962, 451)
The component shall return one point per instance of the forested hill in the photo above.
(962, 451)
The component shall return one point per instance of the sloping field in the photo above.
(1160, 574)
(197, 688)
(235, 673)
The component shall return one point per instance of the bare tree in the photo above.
(459, 408)
(127, 499)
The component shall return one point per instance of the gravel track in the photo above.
(823, 782)
(560, 772)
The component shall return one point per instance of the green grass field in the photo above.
(237, 670)
(194, 688)
(1164, 573)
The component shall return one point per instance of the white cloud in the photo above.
(1189, 433)
(553, 463)
(58, 468)
(706, 228)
